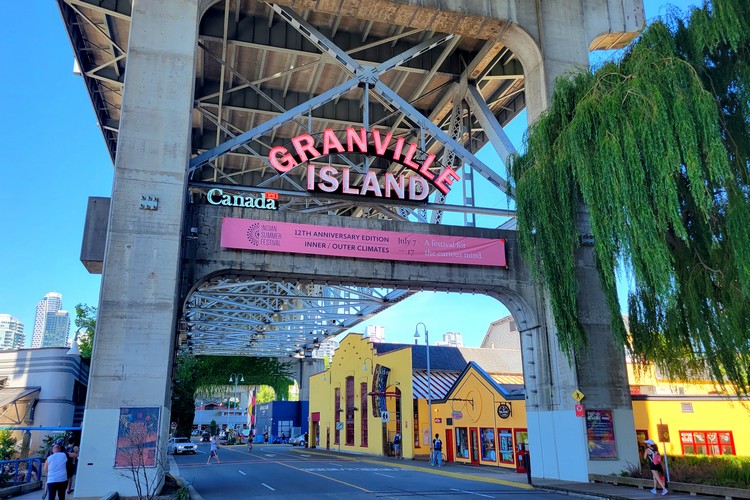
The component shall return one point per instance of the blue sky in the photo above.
(53, 159)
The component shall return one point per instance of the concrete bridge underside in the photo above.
(193, 94)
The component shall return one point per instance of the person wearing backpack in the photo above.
(437, 454)
(652, 456)
(397, 445)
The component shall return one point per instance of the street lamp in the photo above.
(429, 384)
(235, 377)
(74, 351)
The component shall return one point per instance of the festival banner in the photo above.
(271, 236)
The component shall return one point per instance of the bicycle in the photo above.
(442, 461)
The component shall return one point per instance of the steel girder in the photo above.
(254, 68)
(233, 316)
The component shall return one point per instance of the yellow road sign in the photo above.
(578, 395)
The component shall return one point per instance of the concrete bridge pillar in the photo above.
(137, 306)
(301, 371)
(552, 45)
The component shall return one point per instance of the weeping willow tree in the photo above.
(209, 375)
(656, 146)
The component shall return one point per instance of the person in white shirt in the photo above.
(57, 476)
(213, 452)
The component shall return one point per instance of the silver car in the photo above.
(179, 445)
(298, 441)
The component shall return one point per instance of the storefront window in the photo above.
(522, 439)
(488, 444)
(350, 411)
(462, 442)
(417, 443)
(363, 415)
(337, 413)
(707, 443)
(505, 442)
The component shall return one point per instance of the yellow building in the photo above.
(370, 391)
(694, 417)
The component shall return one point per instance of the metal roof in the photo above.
(441, 383)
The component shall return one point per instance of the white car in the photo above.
(298, 441)
(179, 445)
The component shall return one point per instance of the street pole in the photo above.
(235, 377)
(429, 383)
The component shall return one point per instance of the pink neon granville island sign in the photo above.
(329, 179)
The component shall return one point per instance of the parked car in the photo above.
(179, 445)
(205, 437)
(298, 440)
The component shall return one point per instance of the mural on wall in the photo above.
(137, 435)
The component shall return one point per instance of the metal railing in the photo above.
(22, 471)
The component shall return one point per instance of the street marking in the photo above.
(471, 493)
(242, 473)
(306, 456)
(385, 475)
(341, 468)
(459, 475)
(272, 489)
(325, 477)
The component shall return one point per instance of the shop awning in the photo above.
(440, 382)
(16, 404)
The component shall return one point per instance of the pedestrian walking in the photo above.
(72, 466)
(214, 451)
(652, 456)
(397, 445)
(57, 476)
(437, 447)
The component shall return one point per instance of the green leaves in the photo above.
(656, 147)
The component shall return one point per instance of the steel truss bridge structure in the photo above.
(267, 73)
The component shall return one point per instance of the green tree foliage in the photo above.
(7, 443)
(213, 428)
(183, 394)
(656, 146)
(265, 394)
(86, 318)
(209, 375)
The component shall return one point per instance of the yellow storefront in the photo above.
(481, 420)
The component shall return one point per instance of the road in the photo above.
(283, 471)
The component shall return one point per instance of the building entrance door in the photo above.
(474, 439)
(449, 445)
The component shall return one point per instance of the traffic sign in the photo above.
(580, 411)
(386, 416)
(663, 431)
(339, 426)
(578, 395)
